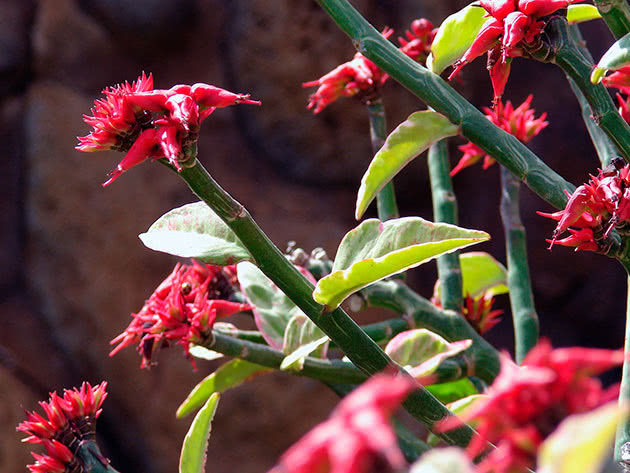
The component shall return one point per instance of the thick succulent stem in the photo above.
(616, 14)
(359, 348)
(386, 198)
(445, 210)
(622, 442)
(436, 93)
(519, 280)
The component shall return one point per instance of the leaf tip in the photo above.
(597, 75)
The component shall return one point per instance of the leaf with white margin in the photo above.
(581, 443)
(455, 36)
(193, 455)
(375, 250)
(617, 56)
(421, 351)
(195, 231)
(408, 140)
(301, 338)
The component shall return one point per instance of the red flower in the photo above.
(595, 209)
(153, 124)
(525, 404)
(512, 24)
(69, 421)
(478, 312)
(357, 438)
(182, 310)
(520, 122)
(360, 77)
(619, 79)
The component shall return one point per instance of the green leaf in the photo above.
(272, 308)
(455, 35)
(195, 231)
(301, 338)
(421, 351)
(457, 407)
(443, 460)
(227, 376)
(193, 455)
(615, 58)
(581, 442)
(203, 353)
(375, 250)
(408, 140)
(480, 273)
(453, 391)
(582, 13)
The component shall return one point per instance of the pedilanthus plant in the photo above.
(431, 357)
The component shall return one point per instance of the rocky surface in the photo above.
(72, 268)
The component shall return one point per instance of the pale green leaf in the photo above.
(421, 351)
(581, 13)
(455, 35)
(458, 408)
(453, 390)
(376, 250)
(295, 360)
(193, 455)
(617, 56)
(195, 231)
(227, 376)
(443, 460)
(480, 273)
(203, 353)
(272, 308)
(301, 338)
(408, 140)
(582, 442)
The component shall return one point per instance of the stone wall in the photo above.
(72, 268)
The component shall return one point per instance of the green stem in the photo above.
(410, 445)
(604, 147)
(572, 59)
(622, 442)
(429, 87)
(446, 323)
(616, 14)
(386, 198)
(92, 459)
(519, 280)
(445, 210)
(359, 348)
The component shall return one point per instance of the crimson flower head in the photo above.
(478, 312)
(357, 438)
(68, 421)
(417, 44)
(512, 25)
(594, 209)
(520, 122)
(151, 124)
(182, 310)
(525, 404)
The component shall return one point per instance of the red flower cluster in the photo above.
(69, 420)
(620, 79)
(520, 122)
(361, 77)
(182, 310)
(478, 312)
(357, 438)
(595, 209)
(525, 404)
(153, 124)
(512, 25)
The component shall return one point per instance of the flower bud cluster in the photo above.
(594, 209)
(512, 26)
(69, 421)
(182, 310)
(519, 121)
(526, 403)
(149, 123)
(360, 77)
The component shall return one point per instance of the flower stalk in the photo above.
(436, 93)
(445, 210)
(361, 350)
(386, 199)
(616, 14)
(519, 281)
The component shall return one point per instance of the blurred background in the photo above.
(72, 268)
